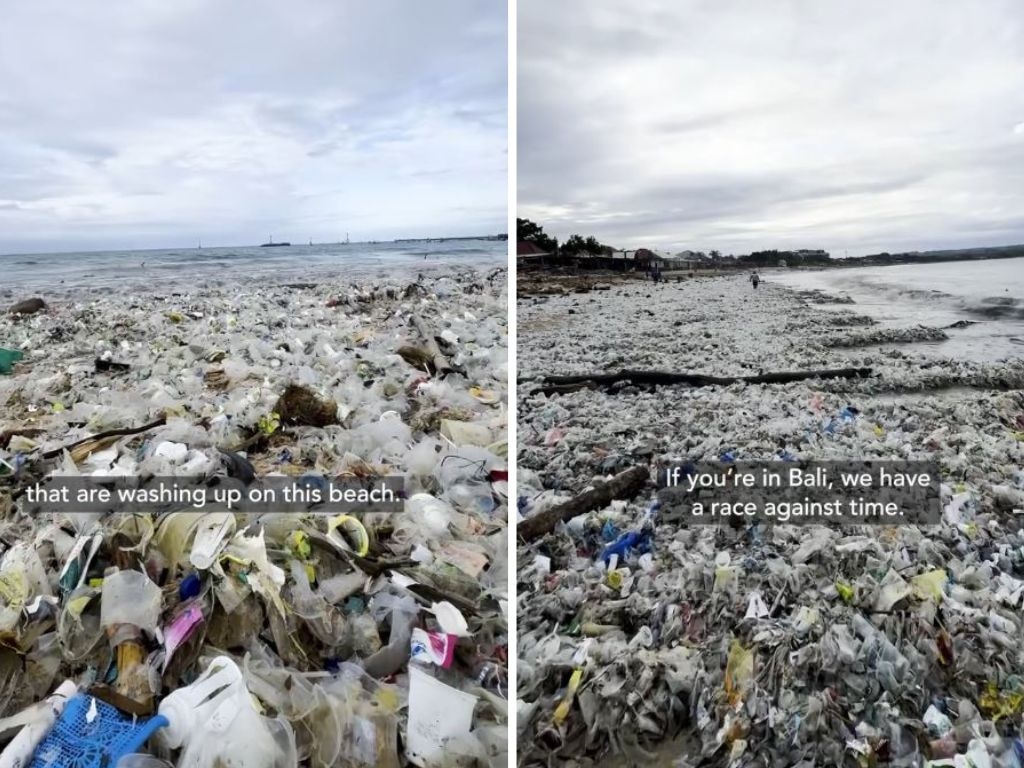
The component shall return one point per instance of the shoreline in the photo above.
(668, 630)
(161, 280)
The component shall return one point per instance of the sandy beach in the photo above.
(823, 685)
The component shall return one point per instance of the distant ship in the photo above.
(272, 244)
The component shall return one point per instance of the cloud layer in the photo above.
(743, 125)
(143, 123)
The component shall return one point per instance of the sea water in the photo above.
(47, 273)
(989, 294)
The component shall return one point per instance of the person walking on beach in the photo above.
(755, 279)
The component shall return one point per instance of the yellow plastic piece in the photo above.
(562, 710)
(739, 672)
(14, 588)
(355, 532)
(996, 704)
(270, 424)
(77, 605)
(725, 578)
(485, 396)
(846, 591)
(298, 543)
(929, 586)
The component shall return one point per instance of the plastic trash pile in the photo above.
(643, 642)
(276, 639)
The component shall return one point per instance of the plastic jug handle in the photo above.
(222, 672)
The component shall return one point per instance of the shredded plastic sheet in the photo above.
(764, 645)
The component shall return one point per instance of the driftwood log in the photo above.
(103, 435)
(554, 384)
(623, 486)
(439, 362)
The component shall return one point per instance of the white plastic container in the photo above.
(214, 723)
(19, 752)
(437, 713)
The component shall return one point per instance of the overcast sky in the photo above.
(739, 125)
(153, 123)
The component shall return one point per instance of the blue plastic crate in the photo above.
(74, 742)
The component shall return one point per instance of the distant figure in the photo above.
(755, 279)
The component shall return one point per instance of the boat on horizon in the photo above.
(271, 244)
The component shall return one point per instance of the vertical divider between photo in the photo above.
(513, 399)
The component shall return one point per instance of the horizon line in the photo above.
(253, 245)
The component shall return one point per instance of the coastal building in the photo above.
(530, 254)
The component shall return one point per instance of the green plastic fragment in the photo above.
(8, 357)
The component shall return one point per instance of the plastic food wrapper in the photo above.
(433, 647)
(324, 614)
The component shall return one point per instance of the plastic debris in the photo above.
(763, 645)
(439, 718)
(21, 748)
(319, 624)
(214, 723)
(8, 357)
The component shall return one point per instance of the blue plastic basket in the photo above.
(74, 742)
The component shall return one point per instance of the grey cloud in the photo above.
(853, 127)
(138, 123)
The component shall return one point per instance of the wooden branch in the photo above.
(624, 485)
(103, 435)
(556, 384)
(438, 360)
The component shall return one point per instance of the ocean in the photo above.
(170, 268)
(988, 293)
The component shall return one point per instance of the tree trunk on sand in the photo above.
(554, 384)
(623, 486)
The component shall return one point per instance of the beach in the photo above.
(660, 645)
(310, 374)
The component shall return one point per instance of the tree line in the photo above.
(530, 232)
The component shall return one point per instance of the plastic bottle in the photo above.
(19, 752)
(214, 723)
